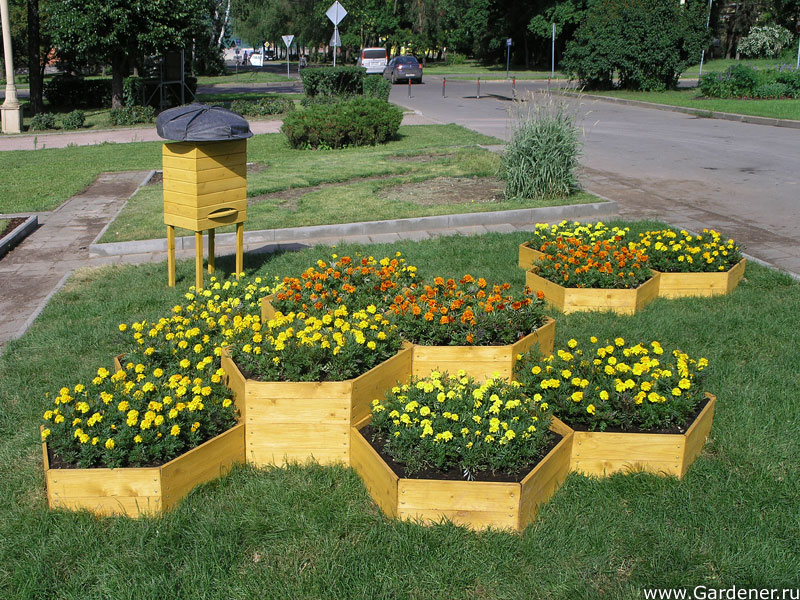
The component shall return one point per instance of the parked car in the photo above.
(403, 68)
(373, 59)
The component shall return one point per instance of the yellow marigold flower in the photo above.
(175, 430)
(604, 395)
(590, 409)
(577, 396)
(45, 433)
(572, 343)
(226, 403)
(110, 444)
(510, 435)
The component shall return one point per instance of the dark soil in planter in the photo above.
(13, 223)
(678, 430)
(377, 442)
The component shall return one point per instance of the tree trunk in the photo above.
(35, 71)
(117, 77)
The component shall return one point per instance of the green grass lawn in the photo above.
(313, 532)
(246, 76)
(777, 109)
(3, 225)
(364, 176)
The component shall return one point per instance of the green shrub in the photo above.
(131, 115)
(262, 106)
(773, 89)
(541, 160)
(73, 120)
(42, 121)
(455, 58)
(356, 122)
(646, 44)
(325, 100)
(765, 41)
(375, 86)
(77, 92)
(330, 81)
(790, 77)
(744, 81)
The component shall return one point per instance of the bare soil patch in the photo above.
(448, 190)
(12, 224)
(288, 199)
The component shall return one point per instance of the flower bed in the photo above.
(531, 251)
(453, 423)
(702, 265)
(632, 407)
(577, 276)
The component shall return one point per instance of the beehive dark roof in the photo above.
(201, 123)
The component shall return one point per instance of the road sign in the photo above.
(508, 42)
(336, 13)
(287, 39)
(335, 39)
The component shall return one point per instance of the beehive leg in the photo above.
(198, 260)
(239, 249)
(211, 251)
(171, 254)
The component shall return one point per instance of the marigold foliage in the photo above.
(451, 421)
(614, 384)
(589, 232)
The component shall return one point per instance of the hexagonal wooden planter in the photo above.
(302, 421)
(476, 504)
(528, 255)
(681, 285)
(143, 491)
(603, 453)
(620, 301)
(482, 361)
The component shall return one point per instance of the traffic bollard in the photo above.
(444, 85)
(479, 87)
(409, 88)
(514, 87)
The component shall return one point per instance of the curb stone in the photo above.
(18, 234)
(411, 226)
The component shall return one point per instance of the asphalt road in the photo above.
(739, 178)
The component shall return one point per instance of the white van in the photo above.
(373, 59)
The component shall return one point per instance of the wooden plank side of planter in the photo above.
(297, 421)
(544, 336)
(648, 291)
(604, 453)
(235, 382)
(553, 293)
(479, 361)
(378, 477)
(681, 285)
(129, 491)
(475, 504)
(377, 381)
(267, 310)
(620, 301)
(208, 461)
(541, 483)
(697, 434)
(528, 255)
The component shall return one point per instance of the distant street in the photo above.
(739, 178)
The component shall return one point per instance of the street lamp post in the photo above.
(11, 108)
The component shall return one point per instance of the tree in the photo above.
(120, 31)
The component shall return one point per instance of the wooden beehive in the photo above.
(205, 184)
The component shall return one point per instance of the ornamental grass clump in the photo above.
(574, 263)
(356, 282)
(140, 416)
(299, 346)
(682, 252)
(467, 312)
(447, 422)
(588, 232)
(615, 385)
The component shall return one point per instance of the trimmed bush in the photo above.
(744, 81)
(646, 44)
(325, 100)
(76, 92)
(330, 81)
(42, 121)
(455, 58)
(131, 115)
(73, 120)
(262, 106)
(375, 86)
(357, 122)
(541, 161)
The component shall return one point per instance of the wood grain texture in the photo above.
(199, 150)
(378, 478)
(568, 300)
(376, 382)
(186, 163)
(216, 198)
(682, 285)
(528, 256)
(267, 309)
(698, 433)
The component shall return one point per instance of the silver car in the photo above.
(403, 68)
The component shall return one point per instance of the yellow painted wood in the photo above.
(198, 150)
(203, 224)
(604, 453)
(208, 461)
(376, 382)
(217, 198)
(171, 255)
(184, 163)
(281, 443)
(481, 361)
(211, 249)
(198, 260)
(235, 382)
(568, 300)
(240, 247)
(214, 211)
(681, 285)
(227, 184)
(237, 172)
(528, 255)
(267, 310)
(378, 477)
